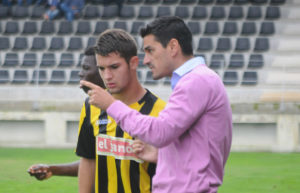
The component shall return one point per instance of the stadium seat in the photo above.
(169, 1)
(136, 26)
(19, 12)
(254, 12)
(167, 81)
(236, 61)
(29, 60)
(38, 43)
(139, 76)
(149, 80)
(101, 26)
(241, 2)
(163, 11)
(83, 28)
(261, 44)
(249, 78)
(256, 61)
(145, 12)
(194, 26)
(98, 2)
(134, 1)
(267, 28)
(248, 28)
(48, 60)
(30, 28)
(75, 43)
(217, 61)
(127, 12)
(91, 12)
(4, 76)
(20, 77)
(217, 12)
(236, 12)
(242, 44)
(38, 12)
(39, 77)
(141, 60)
(211, 28)
(57, 77)
(205, 2)
(11, 60)
(273, 12)
(79, 60)
(20, 44)
(230, 78)
(65, 28)
(91, 42)
(110, 11)
(277, 2)
(205, 44)
(4, 43)
(182, 12)
(57, 43)
(66, 60)
(259, 2)
(4, 12)
(11, 27)
(152, 1)
(230, 28)
(223, 44)
(223, 2)
(120, 25)
(74, 77)
(199, 12)
(187, 2)
(47, 28)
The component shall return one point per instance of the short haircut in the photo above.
(90, 51)
(116, 40)
(166, 28)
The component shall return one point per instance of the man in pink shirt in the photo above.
(193, 133)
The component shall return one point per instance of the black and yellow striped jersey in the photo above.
(100, 138)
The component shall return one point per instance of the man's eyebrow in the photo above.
(147, 48)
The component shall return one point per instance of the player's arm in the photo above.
(86, 175)
(145, 151)
(44, 171)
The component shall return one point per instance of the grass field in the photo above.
(245, 172)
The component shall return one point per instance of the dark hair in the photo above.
(166, 28)
(116, 40)
(90, 51)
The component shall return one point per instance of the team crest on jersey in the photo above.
(103, 121)
(117, 147)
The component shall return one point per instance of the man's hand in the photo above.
(98, 96)
(145, 151)
(40, 171)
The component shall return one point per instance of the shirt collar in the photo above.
(185, 68)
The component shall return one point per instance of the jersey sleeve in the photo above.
(86, 139)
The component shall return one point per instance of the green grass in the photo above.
(15, 162)
(245, 172)
(262, 173)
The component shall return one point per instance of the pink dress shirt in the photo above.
(193, 133)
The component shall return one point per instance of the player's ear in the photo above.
(134, 62)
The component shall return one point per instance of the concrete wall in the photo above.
(251, 132)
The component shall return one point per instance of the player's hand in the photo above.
(145, 151)
(40, 171)
(98, 96)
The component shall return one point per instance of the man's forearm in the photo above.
(70, 169)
